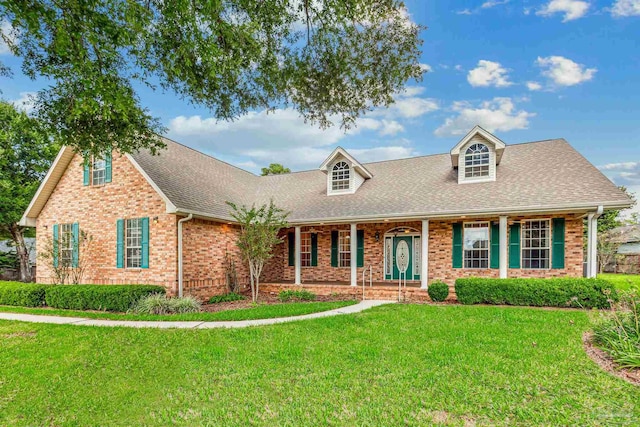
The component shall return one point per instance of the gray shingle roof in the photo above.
(538, 175)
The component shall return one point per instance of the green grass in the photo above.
(623, 282)
(392, 365)
(258, 312)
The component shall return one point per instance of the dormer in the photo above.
(344, 173)
(476, 156)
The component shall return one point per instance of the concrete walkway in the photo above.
(59, 320)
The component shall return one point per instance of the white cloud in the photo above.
(7, 31)
(464, 12)
(572, 9)
(408, 105)
(623, 8)
(534, 86)
(25, 102)
(492, 3)
(499, 114)
(488, 73)
(621, 165)
(259, 138)
(426, 68)
(564, 72)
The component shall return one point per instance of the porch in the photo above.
(374, 291)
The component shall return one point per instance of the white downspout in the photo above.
(188, 218)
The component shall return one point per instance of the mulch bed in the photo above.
(263, 300)
(604, 361)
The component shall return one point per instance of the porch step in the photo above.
(410, 294)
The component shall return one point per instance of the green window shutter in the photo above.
(314, 249)
(107, 168)
(558, 243)
(120, 243)
(495, 245)
(144, 263)
(334, 248)
(292, 249)
(360, 242)
(514, 246)
(75, 230)
(457, 245)
(55, 245)
(86, 171)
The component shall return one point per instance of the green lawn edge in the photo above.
(266, 311)
(623, 282)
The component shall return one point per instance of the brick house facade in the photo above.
(484, 209)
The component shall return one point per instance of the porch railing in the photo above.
(364, 271)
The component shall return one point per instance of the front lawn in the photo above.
(623, 282)
(268, 311)
(392, 365)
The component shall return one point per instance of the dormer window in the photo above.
(344, 173)
(340, 177)
(477, 156)
(476, 161)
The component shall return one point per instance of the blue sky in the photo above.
(526, 70)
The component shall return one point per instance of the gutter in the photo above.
(188, 218)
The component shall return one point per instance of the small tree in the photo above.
(275, 169)
(65, 270)
(258, 236)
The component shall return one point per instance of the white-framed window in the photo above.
(340, 177)
(536, 244)
(133, 243)
(305, 249)
(476, 161)
(66, 244)
(344, 248)
(476, 245)
(98, 171)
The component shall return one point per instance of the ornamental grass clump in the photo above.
(161, 304)
(618, 332)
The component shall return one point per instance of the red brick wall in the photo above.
(96, 209)
(440, 254)
(205, 245)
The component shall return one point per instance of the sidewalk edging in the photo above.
(197, 324)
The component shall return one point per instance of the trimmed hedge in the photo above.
(438, 291)
(296, 295)
(98, 297)
(553, 292)
(22, 294)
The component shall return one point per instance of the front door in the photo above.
(403, 257)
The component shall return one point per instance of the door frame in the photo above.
(402, 232)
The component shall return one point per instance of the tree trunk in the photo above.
(22, 251)
(253, 289)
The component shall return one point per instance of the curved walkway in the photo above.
(59, 320)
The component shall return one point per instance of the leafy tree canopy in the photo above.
(275, 169)
(332, 60)
(26, 153)
(611, 219)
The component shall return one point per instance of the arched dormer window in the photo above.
(340, 177)
(476, 161)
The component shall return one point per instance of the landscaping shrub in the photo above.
(161, 304)
(296, 295)
(554, 292)
(22, 294)
(618, 332)
(231, 296)
(438, 291)
(98, 297)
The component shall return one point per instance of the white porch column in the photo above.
(592, 245)
(298, 280)
(354, 254)
(424, 254)
(504, 259)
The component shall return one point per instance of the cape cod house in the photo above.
(484, 209)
